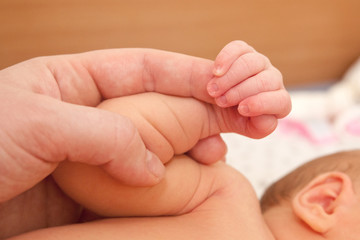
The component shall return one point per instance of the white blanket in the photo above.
(321, 122)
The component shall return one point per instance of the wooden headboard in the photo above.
(309, 41)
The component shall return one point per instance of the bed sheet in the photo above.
(322, 121)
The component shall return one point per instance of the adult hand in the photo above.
(47, 113)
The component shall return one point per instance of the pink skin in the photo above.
(48, 114)
(57, 94)
(246, 78)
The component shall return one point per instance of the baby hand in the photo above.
(246, 78)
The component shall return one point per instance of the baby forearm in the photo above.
(229, 211)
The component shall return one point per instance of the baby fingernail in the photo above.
(213, 88)
(221, 101)
(243, 109)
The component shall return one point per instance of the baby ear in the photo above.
(323, 201)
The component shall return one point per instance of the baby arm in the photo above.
(220, 204)
(204, 201)
(169, 126)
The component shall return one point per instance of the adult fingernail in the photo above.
(154, 165)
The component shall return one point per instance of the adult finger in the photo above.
(90, 77)
(40, 132)
(129, 71)
(111, 141)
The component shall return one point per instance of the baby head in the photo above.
(318, 200)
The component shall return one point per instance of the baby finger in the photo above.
(265, 81)
(276, 103)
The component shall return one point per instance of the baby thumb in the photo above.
(97, 137)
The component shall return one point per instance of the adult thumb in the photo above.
(111, 141)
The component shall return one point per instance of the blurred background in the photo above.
(307, 40)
